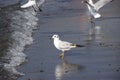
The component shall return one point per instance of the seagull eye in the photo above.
(56, 36)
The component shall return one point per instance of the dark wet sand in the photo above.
(99, 60)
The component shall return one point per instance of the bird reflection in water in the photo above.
(66, 68)
(95, 32)
(94, 38)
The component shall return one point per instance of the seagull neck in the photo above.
(56, 39)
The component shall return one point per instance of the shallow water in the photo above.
(99, 60)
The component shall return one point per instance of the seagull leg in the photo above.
(91, 19)
(34, 8)
(62, 55)
(38, 7)
(92, 26)
(111, 0)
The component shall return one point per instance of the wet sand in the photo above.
(99, 60)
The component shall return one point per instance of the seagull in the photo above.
(94, 7)
(63, 45)
(33, 4)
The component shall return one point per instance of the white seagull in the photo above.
(33, 4)
(94, 7)
(63, 45)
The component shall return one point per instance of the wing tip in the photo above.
(80, 46)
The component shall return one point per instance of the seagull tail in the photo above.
(80, 45)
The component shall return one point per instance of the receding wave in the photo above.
(16, 28)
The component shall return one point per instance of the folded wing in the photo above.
(66, 45)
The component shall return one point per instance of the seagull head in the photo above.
(55, 36)
(85, 1)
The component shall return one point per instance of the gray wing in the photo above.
(100, 4)
(65, 45)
